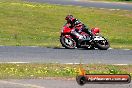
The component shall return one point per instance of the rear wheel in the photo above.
(68, 42)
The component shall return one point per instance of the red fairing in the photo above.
(95, 30)
(66, 29)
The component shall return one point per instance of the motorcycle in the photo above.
(70, 41)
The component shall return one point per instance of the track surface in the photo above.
(61, 55)
(124, 6)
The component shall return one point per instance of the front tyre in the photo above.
(68, 42)
(103, 44)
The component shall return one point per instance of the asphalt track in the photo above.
(62, 55)
(123, 6)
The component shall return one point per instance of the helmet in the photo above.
(68, 17)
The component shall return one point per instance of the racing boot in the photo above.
(80, 39)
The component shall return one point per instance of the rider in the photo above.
(77, 27)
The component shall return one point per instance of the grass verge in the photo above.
(22, 71)
(35, 24)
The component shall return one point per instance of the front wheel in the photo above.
(67, 42)
(103, 44)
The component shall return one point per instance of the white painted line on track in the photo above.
(95, 63)
(114, 9)
(119, 64)
(126, 49)
(72, 63)
(58, 63)
(16, 62)
(20, 84)
(32, 46)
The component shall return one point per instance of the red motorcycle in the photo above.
(70, 41)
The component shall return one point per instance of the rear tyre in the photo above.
(68, 43)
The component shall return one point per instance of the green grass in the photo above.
(22, 71)
(35, 24)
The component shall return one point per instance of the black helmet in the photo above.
(68, 17)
